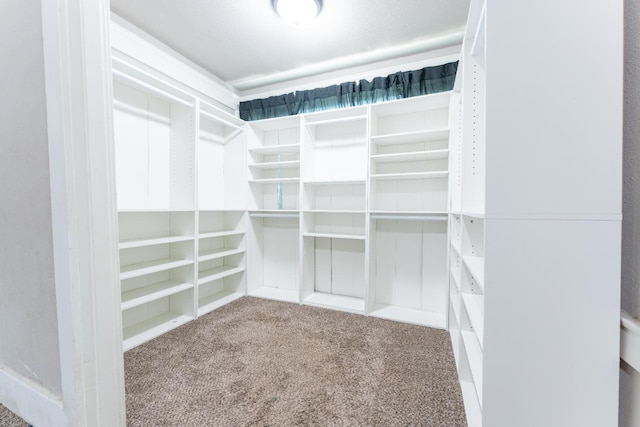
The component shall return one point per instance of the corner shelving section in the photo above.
(154, 133)
(334, 217)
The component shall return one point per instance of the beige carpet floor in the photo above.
(9, 419)
(257, 362)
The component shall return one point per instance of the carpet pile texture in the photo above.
(257, 362)
(9, 419)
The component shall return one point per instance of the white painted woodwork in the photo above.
(534, 229)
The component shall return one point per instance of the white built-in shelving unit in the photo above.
(343, 209)
(534, 234)
(181, 191)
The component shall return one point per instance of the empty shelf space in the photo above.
(212, 302)
(137, 243)
(474, 356)
(276, 149)
(411, 175)
(337, 302)
(278, 294)
(335, 236)
(273, 180)
(140, 269)
(151, 328)
(410, 156)
(334, 211)
(153, 292)
(475, 310)
(311, 122)
(218, 253)
(475, 265)
(344, 182)
(207, 235)
(410, 315)
(217, 273)
(411, 137)
(277, 165)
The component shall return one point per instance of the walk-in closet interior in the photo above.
(479, 193)
(490, 208)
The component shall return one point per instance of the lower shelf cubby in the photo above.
(152, 319)
(334, 273)
(273, 258)
(216, 293)
(408, 270)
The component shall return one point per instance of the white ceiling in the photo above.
(244, 43)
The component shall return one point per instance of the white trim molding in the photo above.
(24, 396)
(81, 160)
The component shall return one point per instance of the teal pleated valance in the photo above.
(399, 85)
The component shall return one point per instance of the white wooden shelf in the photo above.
(278, 294)
(291, 164)
(276, 149)
(474, 305)
(411, 175)
(152, 328)
(411, 137)
(336, 302)
(274, 180)
(410, 315)
(475, 265)
(474, 357)
(337, 182)
(335, 211)
(219, 253)
(153, 292)
(226, 233)
(335, 236)
(218, 273)
(137, 243)
(413, 156)
(143, 268)
(217, 300)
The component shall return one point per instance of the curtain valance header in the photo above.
(399, 85)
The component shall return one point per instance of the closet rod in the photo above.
(273, 215)
(442, 217)
(151, 88)
(220, 120)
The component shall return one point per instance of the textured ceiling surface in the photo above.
(244, 41)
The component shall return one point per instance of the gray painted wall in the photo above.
(28, 316)
(629, 378)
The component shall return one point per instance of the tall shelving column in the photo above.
(154, 131)
(535, 242)
(408, 196)
(273, 161)
(334, 223)
(221, 218)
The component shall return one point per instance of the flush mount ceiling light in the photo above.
(297, 13)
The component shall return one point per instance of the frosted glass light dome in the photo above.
(297, 13)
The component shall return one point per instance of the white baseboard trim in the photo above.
(30, 401)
